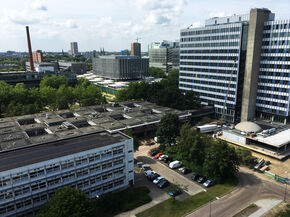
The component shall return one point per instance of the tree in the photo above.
(128, 132)
(168, 129)
(221, 161)
(53, 81)
(68, 202)
(156, 72)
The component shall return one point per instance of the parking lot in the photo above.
(173, 176)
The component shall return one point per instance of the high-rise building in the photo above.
(136, 49)
(37, 56)
(74, 48)
(239, 64)
(164, 55)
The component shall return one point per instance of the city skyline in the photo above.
(112, 24)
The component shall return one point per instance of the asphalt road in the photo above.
(252, 187)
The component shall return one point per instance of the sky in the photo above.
(112, 24)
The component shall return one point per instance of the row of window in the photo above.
(210, 31)
(276, 42)
(213, 38)
(272, 96)
(275, 58)
(222, 71)
(206, 88)
(210, 57)
(211, 51)
(275, 66)
(40, 198)
(213, 44)
(268, 110)
(35, 186)
(276, 34)
(274, 81)
(209, 77)
(276, 50)
(277, 26)
(208, 64)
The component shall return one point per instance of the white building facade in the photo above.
(94, 169)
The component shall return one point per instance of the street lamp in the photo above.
(285, 193)
(210, 201)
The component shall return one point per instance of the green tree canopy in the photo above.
(53, 81)
(221, 161)
(168, 129)
(156, 72)
(68, 202)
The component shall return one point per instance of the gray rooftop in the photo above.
(21, 131)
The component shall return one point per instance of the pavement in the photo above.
(252, 187)
(265, 205)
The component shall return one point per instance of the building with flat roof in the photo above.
(240, 65)
(74, 50)
(267, 139)
(164, 55)
(37, 56)
(136, 49)
(121, 67)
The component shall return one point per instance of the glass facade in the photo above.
(210, 65)
(273, 92)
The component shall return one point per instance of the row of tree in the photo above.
(156, 72)
(213, 158)
(53, 93)
(164, 93)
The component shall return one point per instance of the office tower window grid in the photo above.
(273, 92)
(209, 64)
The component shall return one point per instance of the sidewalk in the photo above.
(265, 206)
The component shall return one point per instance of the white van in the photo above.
(175, 164)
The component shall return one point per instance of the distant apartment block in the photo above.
(136, 49)
(240, 65)
(121, 67)
(74, 50)
(164, 55)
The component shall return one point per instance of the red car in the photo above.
(158, 155)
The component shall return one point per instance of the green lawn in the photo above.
(175, 208)
(114, 203)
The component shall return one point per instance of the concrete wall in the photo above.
(255, 35)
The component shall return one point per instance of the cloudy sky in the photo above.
(112, 24)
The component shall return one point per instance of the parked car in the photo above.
(153, 153)
(167, 160)
(209, 183)
(158, 155)
(153, 176)
(175, 192)
(139, 164)
(145, 167)
(195, 176)
(163, 183)
(162, 157)
(201, 179)
(175, 164)
(148, 173)
(185, 170)
(158, 179)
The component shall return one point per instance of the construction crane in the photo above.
(227, 93)
(137, 39)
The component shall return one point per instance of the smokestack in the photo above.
(29, 50)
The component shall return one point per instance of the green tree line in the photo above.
(164, 93)
(53, 93)
(200, 152)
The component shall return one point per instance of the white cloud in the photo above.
(38, 5)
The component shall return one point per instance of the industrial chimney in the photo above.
(29, 50)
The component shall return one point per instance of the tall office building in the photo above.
(136, 49)
(164, 55)
(233, 61)
(74, 48)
